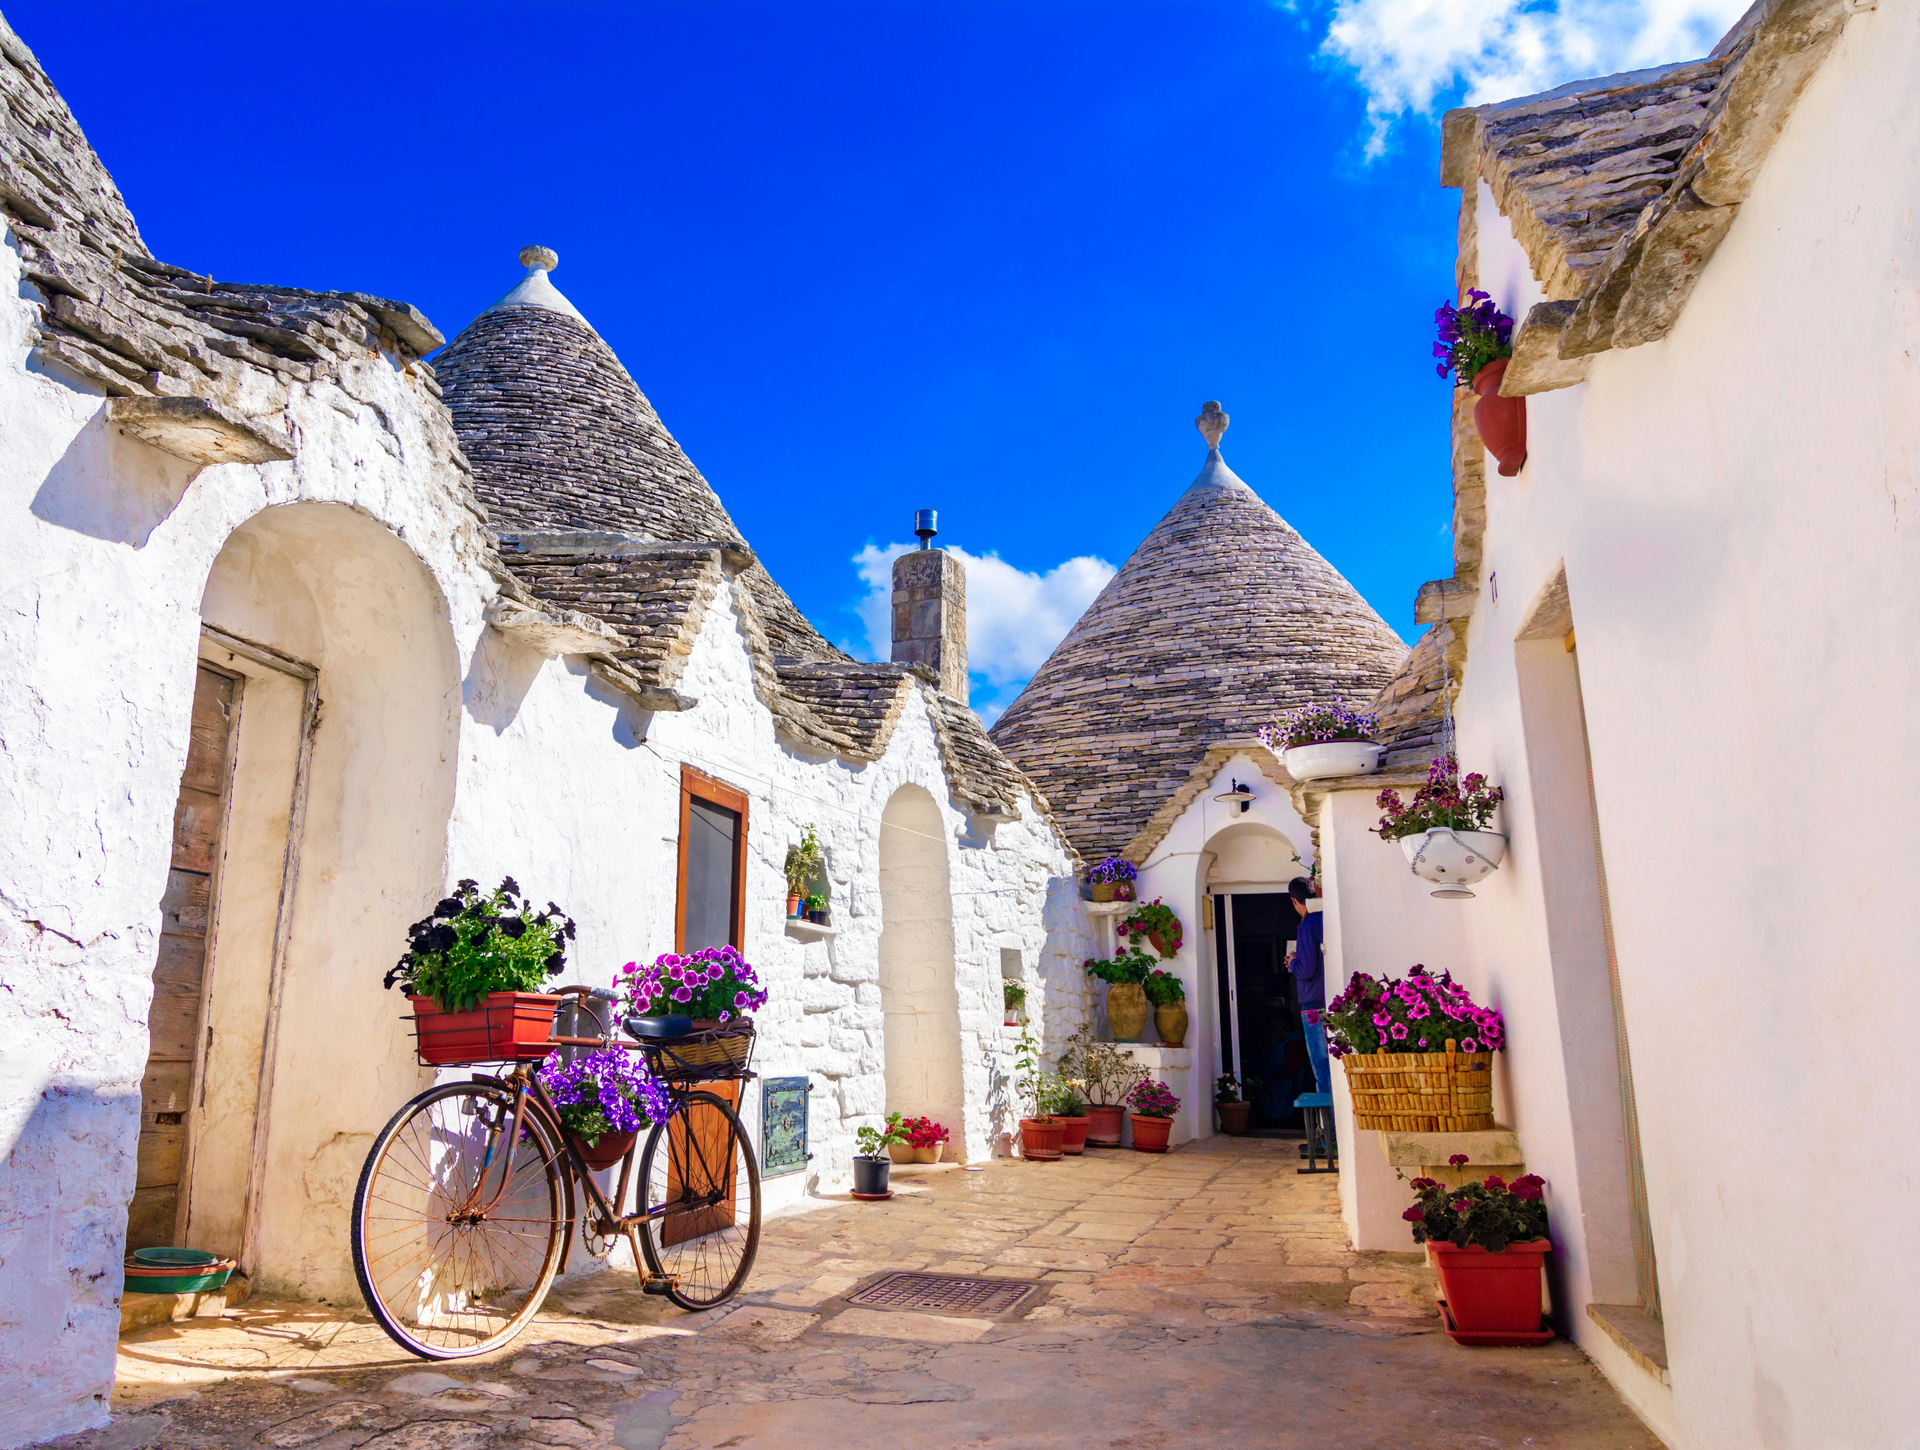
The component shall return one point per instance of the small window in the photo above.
(713, 863)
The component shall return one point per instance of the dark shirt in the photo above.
(1309, 960)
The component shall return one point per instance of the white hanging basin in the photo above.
(1454, 860)
(1330, 758)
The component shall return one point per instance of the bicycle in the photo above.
(465, 1211)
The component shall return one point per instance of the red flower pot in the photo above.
(1073, 1137)
(607, 1150)
(1488, 1292)
(1040, 1139)
(1104, 1121)
(1150, 1134)
(1501, 422)
(505, 1027)
(1233, 1117)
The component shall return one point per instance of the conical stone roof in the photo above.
(1222, 619)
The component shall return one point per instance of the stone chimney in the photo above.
(930, 610)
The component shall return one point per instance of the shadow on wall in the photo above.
(111, 487)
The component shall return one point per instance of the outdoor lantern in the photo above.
(1240, 796)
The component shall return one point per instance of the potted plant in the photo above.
(1443, 831)
(816, 909)
(1014, 994)
(1126, 1002)
(1106, 1072)
(1041, 1133)
(922, 1141)
(1169, 997)
(1105, 880)
(1475, 345)
(1153, 1106)
(1233, 1108)
(1071, 1109)
(1488, 1242)
(605, 1098)
(471, 971)
(1321, 742)
(1156, 924)
(715, 987)
(803, 868)
(871, 1161)
(1418, 1052)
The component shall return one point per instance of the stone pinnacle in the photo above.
(1211, 423)
(539, 259)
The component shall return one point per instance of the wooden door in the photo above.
(179, 978)
(701, 1144)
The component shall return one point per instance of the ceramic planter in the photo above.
(1328, 759)
(1170, 1022)
(1104, 1121)
(1233, 1117)
(870, 1176)
(1454, 860)
(504, 1027)
(607, 1150)
(1500, 422)
(1073, 1136)
(1126, 1010)
(901, 1153)
(1150, 1134)
(1041, 1139)
(1490, 1293)
(793, 903)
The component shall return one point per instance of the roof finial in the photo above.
(539, 259)
(1211, 423)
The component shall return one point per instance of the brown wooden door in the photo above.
(179, 978)
(700, 1145)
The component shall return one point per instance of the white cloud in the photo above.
(1407, 54)
(1014, 617)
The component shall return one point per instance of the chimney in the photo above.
(930, 610)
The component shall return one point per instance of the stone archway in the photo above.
(918, 992)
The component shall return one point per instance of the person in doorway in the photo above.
(1309, 970)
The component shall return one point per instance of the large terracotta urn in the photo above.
(1501, 422)
(1170, 1021)
(1126, 1010)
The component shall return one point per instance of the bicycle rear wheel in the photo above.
(457, 1231)
(700, 1168)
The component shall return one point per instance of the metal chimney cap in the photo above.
(926, 523)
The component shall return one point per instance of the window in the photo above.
(713, 863)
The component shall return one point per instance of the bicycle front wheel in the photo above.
(700, 1190)
(459, 1220)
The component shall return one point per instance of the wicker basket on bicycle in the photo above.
(713, 1052)
(1421, 1092)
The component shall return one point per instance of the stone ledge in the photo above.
(1495, 1147)
(198, 431)
(552, 631)
(1639, 1335)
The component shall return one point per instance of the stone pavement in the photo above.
(1205, 1298)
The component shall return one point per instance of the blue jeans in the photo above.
(1317, 1053)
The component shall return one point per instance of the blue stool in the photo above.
(1318, 1108)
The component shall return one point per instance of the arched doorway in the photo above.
(1258, 1030)
(312, 827)
(918, 994)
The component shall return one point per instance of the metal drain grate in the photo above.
(959, 1294)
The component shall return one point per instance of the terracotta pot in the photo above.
(901, 1153)
(1490, 1292)
(793, 903)
(1101, 890)
(1233, 1117)
(1160, 945)
(505, 1027)
(1150, 1134)
(1040, 1138)
(1501, 422)
(1104, 1121)
(1073, 1140)
(1170, 1022)
(870, 1175)
(1126, 1010)
(607, 1150)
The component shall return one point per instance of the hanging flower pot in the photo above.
(1442, 830)
(1454, 860)
(1332, 758)
(1321, 742)
(1501, 422)
(605, 1150)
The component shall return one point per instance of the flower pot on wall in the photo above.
(1500, 422)
(1126, 1010)
(1041, 1139)
(1328, 759)
(1104, 1121)
(1233, 1117)
(1170, 1022)
(1073, 1136)
(1454, 860)
(1488, 1292)
(1150, 1134)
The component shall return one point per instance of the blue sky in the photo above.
(868, 257)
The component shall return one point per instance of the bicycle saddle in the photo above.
(659, 1029)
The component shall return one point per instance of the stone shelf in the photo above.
(1109, 908)
(809, 930)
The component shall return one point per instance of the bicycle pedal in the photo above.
(657, 1284)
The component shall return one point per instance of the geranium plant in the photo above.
(1421, 1013)
(712, 985)
(1155, 919)
(1128, 970)
(1471, 336)
(1153, 1099)
(1163, 989)
(1318, 724)
(1114, 868)
(1448, 799)
(1490, 1214)
(604, 1092)
(475, 943)
(1105, 1070)
(923, 1132)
